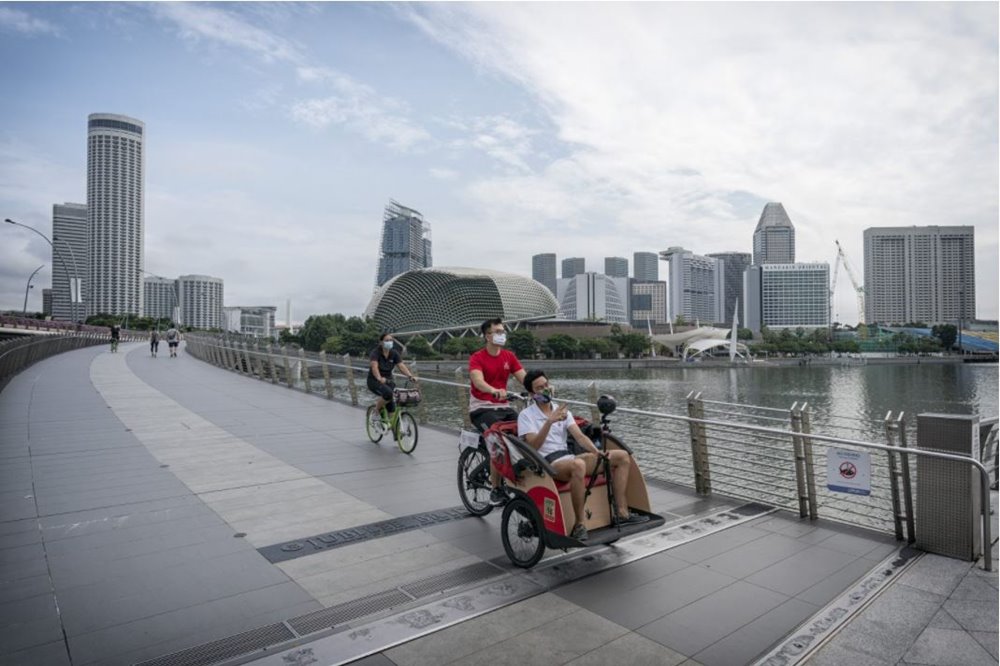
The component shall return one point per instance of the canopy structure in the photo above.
(672, 340)
(698, 348)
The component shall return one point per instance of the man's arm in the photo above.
(477, 379)
(582, 439)
(536, 439)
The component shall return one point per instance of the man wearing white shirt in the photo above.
(545, 425)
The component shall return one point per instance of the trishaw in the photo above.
(539, 511)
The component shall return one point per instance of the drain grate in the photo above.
(226, 648)
(350, 610)
(472, 573)
(282, 552)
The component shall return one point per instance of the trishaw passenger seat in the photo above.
(563, 486)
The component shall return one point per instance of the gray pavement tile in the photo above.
(754, 555)
(746, 643)
(854, 544)
(715, 544)
(49, 654)
(593, 589)
(942, 620)
(15, 554)
(377, 659)
(18, 527)
(701, 623)
(555, 643)
(72, 523)
(110, 539)
(31, 609)
(22, 569)
(973, 615)
(883, 551)
(976, 588)
(946, 647)
(640, 605)
(839, 654)
(23, 634)
(21, 510)
(801, 570)
(937, 574)
(633, 650)
(24, 588)
(832, 586)
(20, 539)
(988, 639)
(785, 523)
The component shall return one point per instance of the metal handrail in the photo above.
(761, 430)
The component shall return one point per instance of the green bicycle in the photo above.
(400, 422)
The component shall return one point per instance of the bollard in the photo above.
(350, 379)
(699, 447)
(304, 370)
(904, 458)
(463, 398)
(288, 369)
(807, 450)
(248, 370)
(326, 375)
(259, 368)
(270, 365)
(894, 474)
(800, 461)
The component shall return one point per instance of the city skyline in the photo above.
(276, 133)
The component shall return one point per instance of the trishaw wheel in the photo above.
(407, 440)
(474, 481)
(521, 532)
(373, 424)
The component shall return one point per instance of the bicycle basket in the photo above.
(407, 396)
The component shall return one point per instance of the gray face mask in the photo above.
(387, 344)
(499, 339)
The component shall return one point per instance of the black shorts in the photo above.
(383, 391)
(485, 417)
(172, 343)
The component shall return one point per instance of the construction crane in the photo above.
(858, 289)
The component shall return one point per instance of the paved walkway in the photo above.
(137, 491)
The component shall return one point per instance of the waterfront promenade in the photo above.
(143, 500)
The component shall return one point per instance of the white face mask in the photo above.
(387, 344)
(499, 339)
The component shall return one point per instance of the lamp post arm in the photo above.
(58, 254)
(24, 311)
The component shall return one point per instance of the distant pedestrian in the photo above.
(154, 342)
(116, 333)
(173, 339)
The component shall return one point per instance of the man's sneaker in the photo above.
(498, 496)
(632, 518)
(579, 533)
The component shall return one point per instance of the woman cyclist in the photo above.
(381, 364)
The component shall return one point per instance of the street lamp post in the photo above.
(27, 287)
(61, 260)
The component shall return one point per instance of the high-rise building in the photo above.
(116, 167)
(649, 303)
(695, 286)
(594, 296)
(543, 269)
(405, 244)
(645, 266)
(47, 302)
(915, 274)
(774, 237)
(160, 298)
(734, 265)
(69, 247)
(572, 267)
(201, 301)
(787, 296)
(616, 267)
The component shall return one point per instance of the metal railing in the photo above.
(17, 354)
(737, 450)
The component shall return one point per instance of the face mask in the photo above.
(500, 339)
(387, 344)
(541, 398)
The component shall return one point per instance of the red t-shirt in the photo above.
(496, 371)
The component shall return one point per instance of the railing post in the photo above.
(304, 370)
(259, 367)
(807, 449)
(288, 369)
(699, 447)
(911, 534)
(800, 461)
(227, 349)
(463, 398)
(248, 369)
(327, 384)
(270, 364)
(352, 387)
(890, 440)
(595, 416)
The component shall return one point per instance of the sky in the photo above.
(277, 132)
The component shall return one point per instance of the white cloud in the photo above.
(442, 173)
(853, 115)
(24, 23)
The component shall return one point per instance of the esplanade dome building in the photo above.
(438, 299)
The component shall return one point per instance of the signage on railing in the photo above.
(849, 471)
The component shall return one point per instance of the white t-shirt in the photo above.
(532, 419)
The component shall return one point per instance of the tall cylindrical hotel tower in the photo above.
(116, 167)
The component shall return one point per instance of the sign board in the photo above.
(849, 471)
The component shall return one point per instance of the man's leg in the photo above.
(620, 464)
(572, 470)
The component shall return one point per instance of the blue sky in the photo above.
(276, 133)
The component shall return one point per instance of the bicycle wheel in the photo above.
(521, 533)
(373, 424)
(406, 432)
(474, 481)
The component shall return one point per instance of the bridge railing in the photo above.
(743, 451)
(19, 353)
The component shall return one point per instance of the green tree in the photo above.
(744, 334)
(418, 347)
(523, 343)
(633, 345)
(595, 346)
(317, 329)
(561, 345)
(946, 333)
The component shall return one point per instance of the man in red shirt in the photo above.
(489, 370)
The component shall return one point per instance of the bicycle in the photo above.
(114, 345)
(399, 422)
(474, 487)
